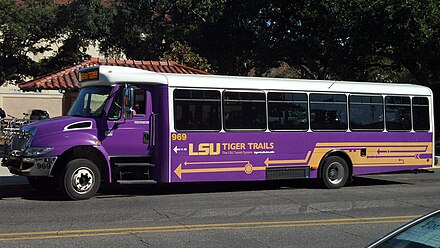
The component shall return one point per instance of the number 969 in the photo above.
(178, 136)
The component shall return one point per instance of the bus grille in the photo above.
(279, 173)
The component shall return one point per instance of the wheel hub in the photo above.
(334, 174)
(82, 180)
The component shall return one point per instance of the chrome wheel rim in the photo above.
(335, 173)
(83, 180)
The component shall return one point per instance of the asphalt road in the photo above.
(281, 214)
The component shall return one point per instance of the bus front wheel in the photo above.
(81, 179)
(335, 172)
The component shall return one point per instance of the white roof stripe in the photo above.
(117, 74)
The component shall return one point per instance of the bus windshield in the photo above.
(90, 102)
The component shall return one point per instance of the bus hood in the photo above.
(55, 128)
(62, 123)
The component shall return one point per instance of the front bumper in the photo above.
(24, 166)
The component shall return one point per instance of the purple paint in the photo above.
(203, 156)
(220, 156)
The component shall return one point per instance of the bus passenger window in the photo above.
(328, 112)
(420, 111)
(287, 111)
(398, 113)
(197, 110)
(366, 113)
(244, 111)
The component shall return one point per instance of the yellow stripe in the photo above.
(198, 227)
(201, 229)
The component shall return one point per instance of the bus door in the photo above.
(129, 137)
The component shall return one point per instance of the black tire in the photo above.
(43, 183)
(335, 172)
(81, 179)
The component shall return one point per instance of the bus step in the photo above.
(136, 181)
(120, 165)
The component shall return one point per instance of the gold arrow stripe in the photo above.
(218, 162)
(297, 161)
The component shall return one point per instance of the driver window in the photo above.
(139, 102)
(116, 108)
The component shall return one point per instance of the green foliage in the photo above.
(80, 24)
(22, 29)
(228, 40)
(135, 31)
(182, 54)
(380, 40)
(352, 40)
(147, 29)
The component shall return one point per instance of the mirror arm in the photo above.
(128, 102)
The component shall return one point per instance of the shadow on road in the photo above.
(29, 193)
(119, 191)
(218, 187)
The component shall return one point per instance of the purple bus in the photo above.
(131, 126)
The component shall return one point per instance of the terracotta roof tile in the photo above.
(67, 78)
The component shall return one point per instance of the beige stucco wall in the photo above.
(15, 102)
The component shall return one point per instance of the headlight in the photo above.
(37, 151)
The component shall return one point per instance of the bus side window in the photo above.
(244, 110)
(398, 113)
(366, 113)
(328, 112)
(287, 111)
(197, 110)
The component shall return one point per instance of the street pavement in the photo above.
(295, 213)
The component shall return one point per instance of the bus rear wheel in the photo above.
(81, 179)
(335, 172)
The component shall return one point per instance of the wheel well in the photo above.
(86, 152)
(336, 153)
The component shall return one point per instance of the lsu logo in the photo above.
(204, 149)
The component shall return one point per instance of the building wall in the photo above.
(92, 50)
(15, 102)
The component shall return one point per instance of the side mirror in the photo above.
(128, 102)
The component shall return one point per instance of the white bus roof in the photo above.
(111, 75)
